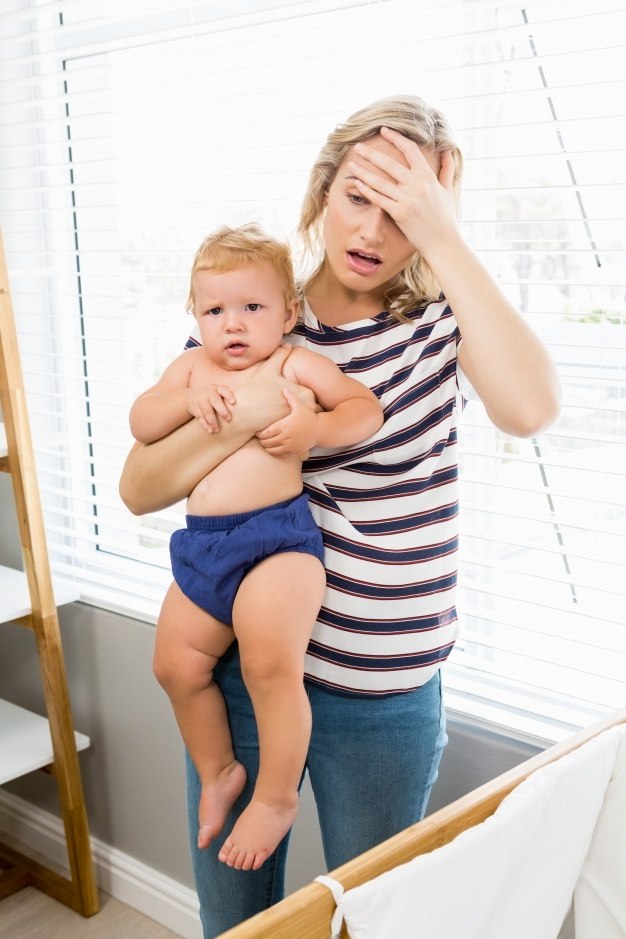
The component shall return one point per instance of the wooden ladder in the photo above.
(17, 870)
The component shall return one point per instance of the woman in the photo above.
(379, 217)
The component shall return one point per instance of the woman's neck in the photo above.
(334, 305)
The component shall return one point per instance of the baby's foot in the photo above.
(217, 799)
(258, 832)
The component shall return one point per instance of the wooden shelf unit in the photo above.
(29, 598)
(26, 742)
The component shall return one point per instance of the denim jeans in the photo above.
(372, 762)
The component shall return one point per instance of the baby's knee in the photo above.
(179, 677)
(163, 670)
(266, 671)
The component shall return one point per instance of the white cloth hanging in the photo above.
(511, 876)
(600, 894)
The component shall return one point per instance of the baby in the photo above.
(255, 574)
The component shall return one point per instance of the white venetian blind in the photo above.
(129, 130)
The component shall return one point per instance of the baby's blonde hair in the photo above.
(413, 118)
(228, 248)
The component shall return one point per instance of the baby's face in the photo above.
(242, 314)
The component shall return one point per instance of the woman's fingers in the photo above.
(394, 169)
(410, 152)
(409, 149)
(388, 177)
(371, 183)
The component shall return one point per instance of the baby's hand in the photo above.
(294, 433)
(210, 403)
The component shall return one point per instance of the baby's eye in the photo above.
(253, 307)
(214, 311)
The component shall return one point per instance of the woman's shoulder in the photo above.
(432, 308)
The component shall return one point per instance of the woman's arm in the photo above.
(507, 364)
(162, 473)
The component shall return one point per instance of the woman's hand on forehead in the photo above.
(415, 190)
(409, 154)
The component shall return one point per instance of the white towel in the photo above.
(510, 877)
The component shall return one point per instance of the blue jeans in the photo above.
(372, 763)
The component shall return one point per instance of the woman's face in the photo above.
(365, 249)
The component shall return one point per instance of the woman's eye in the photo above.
(357, 198)
(253, 307)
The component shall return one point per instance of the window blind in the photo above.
(128, 132)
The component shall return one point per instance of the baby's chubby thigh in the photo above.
(188, 644)
(274, 612)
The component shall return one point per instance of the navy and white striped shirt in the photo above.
(388, 507)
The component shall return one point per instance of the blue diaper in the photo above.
(214, 553)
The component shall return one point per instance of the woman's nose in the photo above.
(373, 226)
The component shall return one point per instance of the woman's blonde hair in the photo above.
(228, 248)
(412, 117)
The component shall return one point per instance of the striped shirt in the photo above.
(388, 507)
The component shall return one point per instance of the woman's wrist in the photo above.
(259, 404)
(445, 253)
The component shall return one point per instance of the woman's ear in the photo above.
(325, 198)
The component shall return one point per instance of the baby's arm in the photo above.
(171, 402)
(351, 411)
(159, 474)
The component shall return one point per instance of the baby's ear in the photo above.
(291, 314)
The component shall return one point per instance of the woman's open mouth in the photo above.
(363, 263)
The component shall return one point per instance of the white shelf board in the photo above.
(25, 743)
(15, 598)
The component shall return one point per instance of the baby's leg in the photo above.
(189, 643)
(275, 608)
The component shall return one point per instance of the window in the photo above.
(130, 130)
